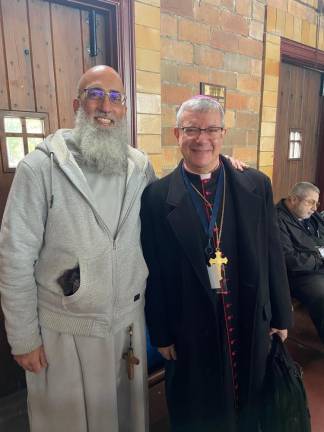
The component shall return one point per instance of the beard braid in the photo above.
(104, 149)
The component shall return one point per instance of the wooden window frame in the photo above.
(23, 115)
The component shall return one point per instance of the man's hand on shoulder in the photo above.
(237, 164)
(168, 352)
(34, 361)
(282, 333)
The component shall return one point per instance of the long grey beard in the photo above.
(104, 149)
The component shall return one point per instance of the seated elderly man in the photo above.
(302, 235)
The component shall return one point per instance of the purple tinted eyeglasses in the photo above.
(98, 94)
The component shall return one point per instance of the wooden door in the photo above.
(297, 118)
(320, 164)
(45, 46)
(44, 49)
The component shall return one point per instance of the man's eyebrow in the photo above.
(102, 88)
(212, 125)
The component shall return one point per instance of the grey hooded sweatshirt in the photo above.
(51, 224)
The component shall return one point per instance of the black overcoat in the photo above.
(178, 306)
(299, 247)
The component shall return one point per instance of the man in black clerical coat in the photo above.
(217, 286)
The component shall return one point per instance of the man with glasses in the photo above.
(217, 285)
(72, 273)
(302, 237)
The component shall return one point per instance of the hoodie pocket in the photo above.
(131, 276)
(95, 292)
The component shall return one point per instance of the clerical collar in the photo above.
(207, 176)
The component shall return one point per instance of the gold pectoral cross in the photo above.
(217, 263)
(129, 356)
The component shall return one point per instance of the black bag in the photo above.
(284, 403)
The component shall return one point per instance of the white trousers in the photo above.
(85, 387)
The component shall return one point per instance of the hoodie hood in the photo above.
(55, 147)
(56, 144)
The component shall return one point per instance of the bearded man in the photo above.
(72, 271)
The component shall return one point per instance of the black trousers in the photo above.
(309, 290)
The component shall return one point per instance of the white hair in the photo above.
(201, 104)
(302, 188)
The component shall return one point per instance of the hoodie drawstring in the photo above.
(52, 168)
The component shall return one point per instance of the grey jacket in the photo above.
(51, 224)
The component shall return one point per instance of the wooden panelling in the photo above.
(101, 41)
(18, 54)
(4, 102)
(298, 107)
(68, 62)
(42, 52)
(157, 407)
(320, 164)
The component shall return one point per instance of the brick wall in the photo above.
(148, 79)
(232, 43)
(219, 42)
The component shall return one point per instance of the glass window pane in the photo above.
(34, 125)
(294, 150)
(12, 124)
(297, 136)
(297, 150)
(15, 150)
(291, 150)
(291, 136)
(32, 143)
